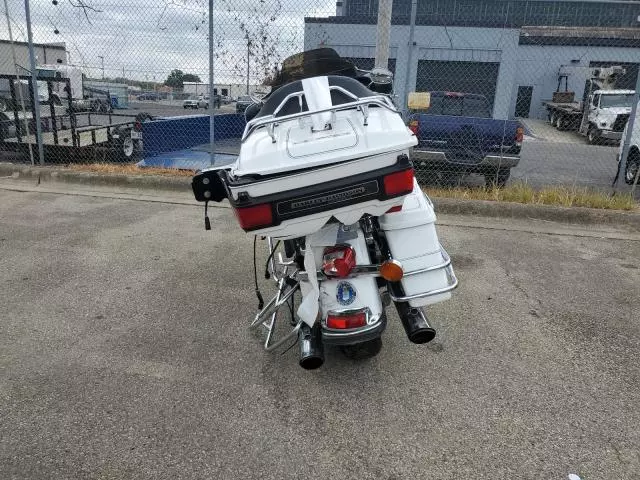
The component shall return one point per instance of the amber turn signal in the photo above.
(391, 270)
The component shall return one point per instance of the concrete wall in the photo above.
(46, 54)
(526, 65)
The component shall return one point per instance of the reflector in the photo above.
(391, 270)
(346, 321)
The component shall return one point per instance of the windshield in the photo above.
(621, 100)
(312, 63)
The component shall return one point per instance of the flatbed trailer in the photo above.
(69, 135)
(564, 116)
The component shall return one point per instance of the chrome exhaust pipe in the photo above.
(415, 323)
(311, 347)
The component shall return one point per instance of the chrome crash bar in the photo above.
(268, 316)
(452, 282)
(374, 269)
(271, 121)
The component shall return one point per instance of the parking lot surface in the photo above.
(124, 353)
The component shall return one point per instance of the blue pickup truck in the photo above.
(456, 135)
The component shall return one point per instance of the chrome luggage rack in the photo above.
(362, 104)
(289, 278)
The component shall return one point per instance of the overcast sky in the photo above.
(149, 38)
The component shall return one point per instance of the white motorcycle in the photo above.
(324, 171)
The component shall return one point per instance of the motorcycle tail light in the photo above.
(345, 321)
(397, 208)
(399, 183)
(414, 126)
(391, 271)
(254, 217)
(338, 261)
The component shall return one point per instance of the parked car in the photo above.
(632, 164)
(225, 99)
(243, 102)
(149, 96)
(456, 135)
(196, 103)
(7, 127)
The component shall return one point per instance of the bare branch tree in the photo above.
(85, 8)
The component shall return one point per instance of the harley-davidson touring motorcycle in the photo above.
(324, 176)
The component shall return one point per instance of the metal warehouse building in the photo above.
(509, 50)
(46, 53)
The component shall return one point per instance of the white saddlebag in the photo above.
(413, 241)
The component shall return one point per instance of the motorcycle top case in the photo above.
(294, 174)
(345, 192)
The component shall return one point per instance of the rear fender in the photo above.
(351, 293)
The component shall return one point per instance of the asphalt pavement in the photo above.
(124, 353)
(555, 157)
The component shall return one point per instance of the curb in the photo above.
(575, 215)
(61, 175)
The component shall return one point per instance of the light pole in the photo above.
(212, 138)
(34, 82)
(248, 58)
(102, 62)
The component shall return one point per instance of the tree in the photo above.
(177, 78)
(190, 77)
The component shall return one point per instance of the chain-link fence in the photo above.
(538, 91)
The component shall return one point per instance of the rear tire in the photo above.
(362, 351)
(497, 179)
(593, 136)
(552, 119)
(560, 123)
(631, 168)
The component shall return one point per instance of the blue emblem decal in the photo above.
(346, 293)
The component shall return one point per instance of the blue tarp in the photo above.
(186, 160)
(183, 142)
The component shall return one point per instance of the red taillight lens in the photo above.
(399, 182)
(344, 321)
(254, 217)
(338, 261)
(414, 126)
(397, 208)
(137, 126)
(519, 134)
